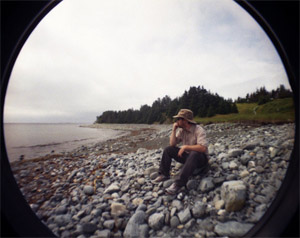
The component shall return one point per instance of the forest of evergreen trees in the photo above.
(199, 100)
(202, 102)
(262, 96)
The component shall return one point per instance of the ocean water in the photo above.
(33, 140)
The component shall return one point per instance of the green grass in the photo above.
(277, 111)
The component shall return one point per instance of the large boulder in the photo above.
(136, 225)
(234, 195)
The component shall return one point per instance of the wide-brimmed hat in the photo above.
(186, 114)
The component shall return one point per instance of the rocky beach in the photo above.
(106, 190)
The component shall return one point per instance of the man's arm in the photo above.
(173, 135)
(198, 148)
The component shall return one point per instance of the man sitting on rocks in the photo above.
(192, 153)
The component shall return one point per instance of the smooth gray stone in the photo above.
(192, 184)
(232, 228)
(156, 221)
(103, 233)
(185, 215)
(245, 158)
(133, 227)
(174, 222)
(235, 152)
(89, 228)
(109, 224)
(112, 188)
(88, 190)
(62, 220)
(190, 224)
(61, 210)
(157, 203)
(206, 184)
(251, 145)
(199, 209)
(178, 204)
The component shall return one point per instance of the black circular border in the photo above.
(279, 19)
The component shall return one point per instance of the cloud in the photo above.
(88, 57)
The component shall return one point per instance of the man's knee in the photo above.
(195, 155)
(169, 149)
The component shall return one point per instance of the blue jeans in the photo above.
(190, 160)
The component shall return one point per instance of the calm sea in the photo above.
(33, 140)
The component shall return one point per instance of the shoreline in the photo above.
(79, 190)
(54, 144)
(154, 136)
(129, 127)
(130, 135)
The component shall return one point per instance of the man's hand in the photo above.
(181, 151)
(175, 126)
(198, 148)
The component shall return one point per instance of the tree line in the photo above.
(262, 96)
(203, 103)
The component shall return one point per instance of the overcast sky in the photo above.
(86, 57)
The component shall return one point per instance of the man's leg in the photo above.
(193, 161)
(165, 164)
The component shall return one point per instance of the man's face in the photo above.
(180, 122)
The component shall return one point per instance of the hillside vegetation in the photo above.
(276, 111)
(203, 103)
(260, 106)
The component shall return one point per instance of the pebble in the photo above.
(88, 190)
(156, 221)
(199, 209)
(206, 184)
(112, 188)
(99, 191)
(184, 215)
(174, 222)
(118, 209)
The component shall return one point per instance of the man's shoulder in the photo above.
(199, 128)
